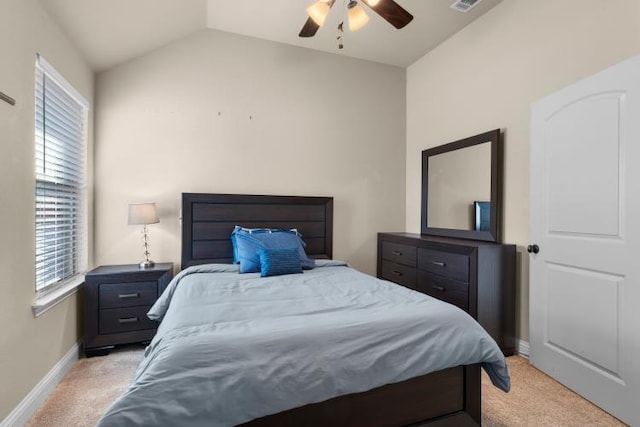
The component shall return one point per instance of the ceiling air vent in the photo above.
(464, 5)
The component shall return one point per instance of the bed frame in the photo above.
(447, 398)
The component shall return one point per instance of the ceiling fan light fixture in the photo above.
(318, 12)
(388, 10)
(357, 17)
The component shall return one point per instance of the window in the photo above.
(60, 166)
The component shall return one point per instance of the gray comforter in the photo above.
(233, 347)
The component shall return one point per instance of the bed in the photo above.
(225, 337)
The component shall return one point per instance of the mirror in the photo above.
(461, 194)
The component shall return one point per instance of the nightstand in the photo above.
(117, 299)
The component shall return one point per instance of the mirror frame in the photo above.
(493, 234)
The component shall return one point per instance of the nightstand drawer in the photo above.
(119, 295)
(397, 273)
(118, 320)
(444, 263)
(398, 253)
(449, 290)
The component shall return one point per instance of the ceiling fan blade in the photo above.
(310, 28)
(392, 12)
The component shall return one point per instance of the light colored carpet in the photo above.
(537, 400)
(88, 388)
(534, 400)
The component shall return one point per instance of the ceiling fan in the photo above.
(391, 11)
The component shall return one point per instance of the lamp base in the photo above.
(146, 264)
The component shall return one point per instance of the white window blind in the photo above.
(60, 166)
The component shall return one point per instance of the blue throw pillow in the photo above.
(275, 262)
(234, 241)
(249, 242)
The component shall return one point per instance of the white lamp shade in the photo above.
(143, 213)
(357, 18)
(318, 12)
(372, 3)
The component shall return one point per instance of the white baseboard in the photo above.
(25, 409)
(523, 348)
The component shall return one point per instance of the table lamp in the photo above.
(144, 214)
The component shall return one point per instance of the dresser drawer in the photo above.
(446, 264)
(119, 295)
(398, 253)
(116, 320)
(445, 289)
(397, 273)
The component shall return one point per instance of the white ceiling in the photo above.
(109, 32)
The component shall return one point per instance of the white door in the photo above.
(585, 219)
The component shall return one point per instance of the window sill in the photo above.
(50, 300)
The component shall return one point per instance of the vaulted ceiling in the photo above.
(109, 32)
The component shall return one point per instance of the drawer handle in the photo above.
(127, 319)
(438, 288)
(439, 263)
(398, 253)
(396, 273)
(125, 296)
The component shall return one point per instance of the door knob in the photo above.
(533, 249)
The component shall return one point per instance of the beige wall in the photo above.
(486, 77)
(218, 112)
(29, 347)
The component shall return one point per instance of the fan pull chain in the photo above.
(339, 37)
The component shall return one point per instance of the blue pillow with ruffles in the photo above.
(234, 240)
(248, 242)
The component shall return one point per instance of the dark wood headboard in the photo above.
(208, 220)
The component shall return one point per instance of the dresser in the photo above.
(117, 299)
(477, 276)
